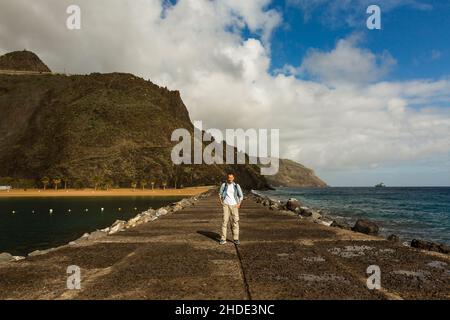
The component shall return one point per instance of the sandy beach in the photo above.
(125, 192)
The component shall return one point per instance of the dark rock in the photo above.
(366, 226)
(341, 224)
(305, 211)
(393, 238)
(293, 204)
(430, 246)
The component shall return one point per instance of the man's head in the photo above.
(230, 177)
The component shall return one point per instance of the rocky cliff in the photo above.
(97, 129)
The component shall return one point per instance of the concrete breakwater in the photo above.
(281, 256)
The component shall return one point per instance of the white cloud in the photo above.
(197, 47)
(347, 64)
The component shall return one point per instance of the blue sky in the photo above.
(418, 38)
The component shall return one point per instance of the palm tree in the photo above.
(164, 184)
(45, 181)
(134, 185)
(108, 184)
(97, 180)
(143, 184)
(66, 182)
(56, 182)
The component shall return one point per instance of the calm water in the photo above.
(408, 212)
(24, 231)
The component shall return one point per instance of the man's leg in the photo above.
(235, 222)
(226, 218)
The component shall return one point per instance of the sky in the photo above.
(358, 106)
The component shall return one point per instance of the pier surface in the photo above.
(280, 257)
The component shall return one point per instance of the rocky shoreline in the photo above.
(117, 226)
(295, 207)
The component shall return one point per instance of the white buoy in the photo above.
(135, 208)
(103, 209)
(51, 210)
(32, 211)
(120, 209)
(13, 211)
(86, 210)
(70, 210)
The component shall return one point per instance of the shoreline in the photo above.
(316, 215)
(120, 225)
(122, 192)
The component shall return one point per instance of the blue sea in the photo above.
(409, 212)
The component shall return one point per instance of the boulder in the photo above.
(176, 207)
(18, 258)
(341, 224)
(304, 211)
(161, 212)
(117, 226)
(40, 252)
(293, 204)
(366, 226)
(327, 223)
(393, 238)
(97, 235)
(430, 246)
(316, 215)
(5, 257)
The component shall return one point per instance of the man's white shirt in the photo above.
(229, 198)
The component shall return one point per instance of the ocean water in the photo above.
(407, 212)
(24, 231)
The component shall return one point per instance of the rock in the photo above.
(327, 223)
(317, 216)
(40, 252)
(5, 257)
(97, 235)
(17, 258)
(430, 246)
(341, 224)
(117, 226)
(177, 207)
(161, 212)
(292, 204)
(304, 211)
(393, 238)
(366, 226)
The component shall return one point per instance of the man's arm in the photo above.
(241, 195)
(222, 186)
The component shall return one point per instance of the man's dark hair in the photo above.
(230, 174)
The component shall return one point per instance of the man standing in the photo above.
(231, 196)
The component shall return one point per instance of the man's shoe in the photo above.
(222, 242)
(237, 242)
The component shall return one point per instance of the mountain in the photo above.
(293, 174)
(22, 61)
(98, 129)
